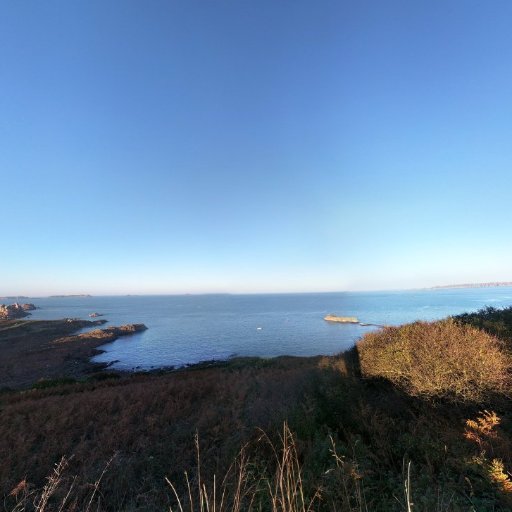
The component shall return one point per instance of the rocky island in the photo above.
(16, 310)
(341, 319)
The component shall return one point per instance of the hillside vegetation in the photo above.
(437, 359)
(415, 418)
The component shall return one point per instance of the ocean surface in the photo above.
(188, 329)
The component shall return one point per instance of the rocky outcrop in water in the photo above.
(13, 311)
(106, 335)
(341, 319)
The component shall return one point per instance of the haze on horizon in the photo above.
(194, 146)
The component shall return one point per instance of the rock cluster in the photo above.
(128, 328)
(341, 319)
(12, 311)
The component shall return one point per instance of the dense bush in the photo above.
(496, 321)
(436, 359)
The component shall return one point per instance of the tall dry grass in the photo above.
(147, 419)
(278, 485)
(248, 486)
(60, 493)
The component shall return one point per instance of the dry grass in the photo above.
(346, 454)
(60, 493)
(147, 420)
(247, 487)
(437, 359)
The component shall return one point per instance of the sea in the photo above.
(187, 329)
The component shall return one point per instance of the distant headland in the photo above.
(473, 285)
(67, 296)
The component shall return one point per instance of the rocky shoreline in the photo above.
(41, 350)
(16, 310)
(105, 335)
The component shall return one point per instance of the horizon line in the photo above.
(489, 284)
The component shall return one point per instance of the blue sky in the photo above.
(253, 146)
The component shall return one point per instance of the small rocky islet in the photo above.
(349, 320)
(341, 319)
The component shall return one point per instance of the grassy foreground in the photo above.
(414, 418)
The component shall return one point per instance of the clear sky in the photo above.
(169, 146)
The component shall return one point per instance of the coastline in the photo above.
(191, 329)
(153, 421)
(43, 353)
(36, 351)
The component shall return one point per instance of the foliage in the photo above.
(437, 359)
(495, 321)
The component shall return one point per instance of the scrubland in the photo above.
(416, 418)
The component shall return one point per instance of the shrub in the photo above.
(436, 359)
(495, 321)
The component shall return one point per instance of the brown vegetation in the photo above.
(437, 359)
(149, 422)
(358, 444)
(497, 322)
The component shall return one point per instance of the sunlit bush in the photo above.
(436, 359)
(495, 321)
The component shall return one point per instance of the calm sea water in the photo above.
(192, 328)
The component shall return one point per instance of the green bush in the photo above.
(437, 359)
(495, 321)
